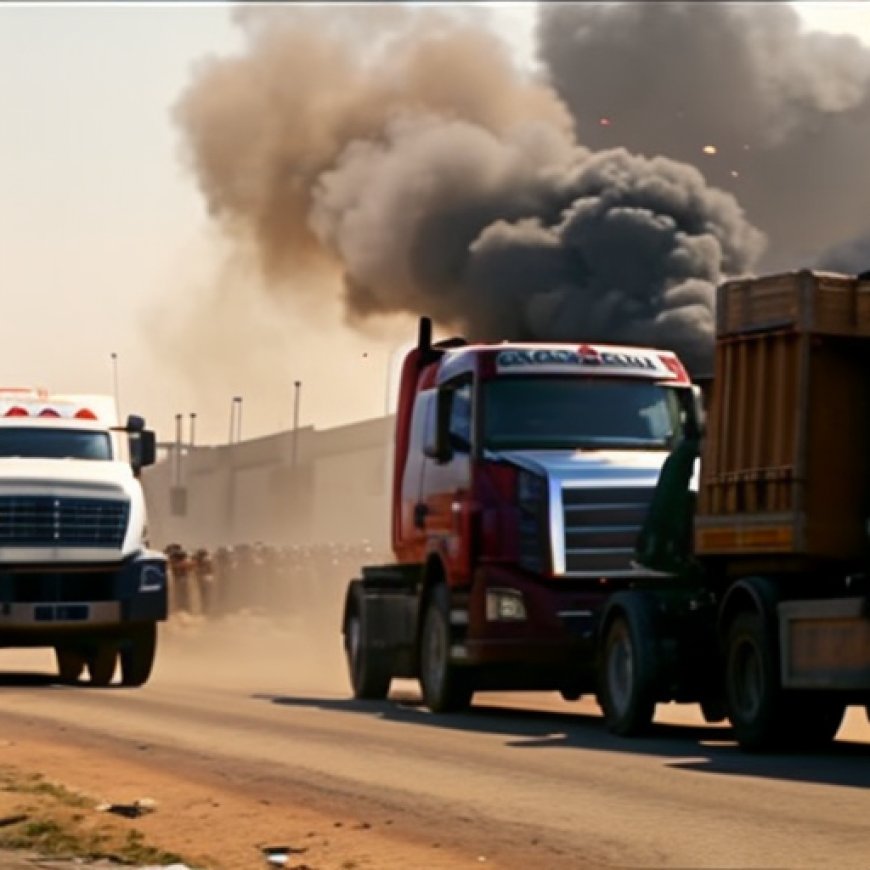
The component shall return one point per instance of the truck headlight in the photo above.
(505, 605)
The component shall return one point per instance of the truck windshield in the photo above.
(34, 443)
(572, 413)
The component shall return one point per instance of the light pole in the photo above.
(192, 427)
(115, 382)
(235, 419)
(297, 386)
(178, 449)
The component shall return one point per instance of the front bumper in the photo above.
(559, 628)
(556, 644)
(44, 598)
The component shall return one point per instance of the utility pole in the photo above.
(297, 385)
(178, 449)
(233, 404)
(115, 383)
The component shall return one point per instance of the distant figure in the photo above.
(180, 568)
(203, 574)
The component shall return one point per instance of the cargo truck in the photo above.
(768, 596)
(522, 474)
(76, 574)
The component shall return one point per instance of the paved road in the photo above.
(516, 771)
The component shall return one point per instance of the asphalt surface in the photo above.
(527, 780)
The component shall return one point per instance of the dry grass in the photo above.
(51, 820)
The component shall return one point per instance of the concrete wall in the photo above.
(251, 491)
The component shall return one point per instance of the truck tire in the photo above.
(70, 663)
(137, 653)
(764, 716)
(628, 665)
(755, 702)
(446, 687)
(369, 669)
(102, 660)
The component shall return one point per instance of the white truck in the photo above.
(76, 573)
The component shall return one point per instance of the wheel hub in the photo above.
(747, 683)
(620, 671)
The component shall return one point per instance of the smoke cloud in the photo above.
(402, 158)
(404, 151)
(773, 114)
(529, 236)
(261, 128)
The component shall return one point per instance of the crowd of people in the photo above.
(262, 578)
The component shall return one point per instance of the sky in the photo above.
(106, 242)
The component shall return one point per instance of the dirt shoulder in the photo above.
(53, 781)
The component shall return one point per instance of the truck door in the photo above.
(446, 485)
(412, 517)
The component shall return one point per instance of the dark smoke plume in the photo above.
(784, 115)
(850, 257)
(529, 238)
(404, 149)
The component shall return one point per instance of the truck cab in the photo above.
(522, 477)
(75, 570)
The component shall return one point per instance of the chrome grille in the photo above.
(47, 521)
(601, 528)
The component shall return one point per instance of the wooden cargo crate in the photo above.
(819, 302)
(785, 466)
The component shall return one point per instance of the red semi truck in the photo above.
(522, 475)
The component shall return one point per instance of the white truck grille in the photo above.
(48, 521)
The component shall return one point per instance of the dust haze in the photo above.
(268, 618)
(281, 655)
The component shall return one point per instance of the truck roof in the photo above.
(27, 406)
(588, 359)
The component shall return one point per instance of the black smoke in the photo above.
(530, 238)
(784, 114)
(604, 200)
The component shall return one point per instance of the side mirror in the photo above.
(143, 449)
(135, 423)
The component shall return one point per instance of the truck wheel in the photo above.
(627, 667)
(102, 660)
(137, 655)
(755, 702)
(370, 675)
(446, 688)
(70, 664)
